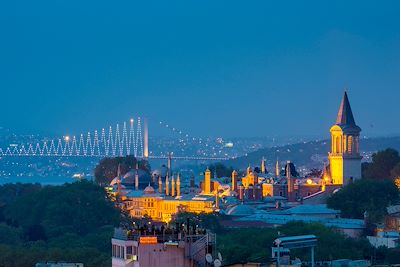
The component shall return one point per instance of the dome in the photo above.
(149, 190)
(144, 178)
(156, 173)
(163, 171)
(241, 210)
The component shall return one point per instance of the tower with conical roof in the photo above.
(344, 158)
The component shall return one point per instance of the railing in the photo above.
(161, 238)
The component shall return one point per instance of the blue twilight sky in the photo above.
(219, 68)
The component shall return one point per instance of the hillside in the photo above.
(310, 154)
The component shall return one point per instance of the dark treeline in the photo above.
(72, 222)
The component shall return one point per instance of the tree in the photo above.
(73, 222)
(293, 171)
(249, 244)
(372, 196)
(202, 220)
(221, 169)
(383, 162)
(395, 172)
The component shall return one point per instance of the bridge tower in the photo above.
(146, 139)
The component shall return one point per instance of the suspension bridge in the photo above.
(130, 138)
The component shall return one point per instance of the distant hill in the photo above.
(309, 154)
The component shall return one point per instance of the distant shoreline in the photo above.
(36, 179)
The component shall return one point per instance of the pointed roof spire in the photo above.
(345, 115)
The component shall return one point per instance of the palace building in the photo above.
(163, 204)
(343, 168)
(256, 184)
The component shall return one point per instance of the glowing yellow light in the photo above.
(309, 181)
(66, 138)
(397, 182)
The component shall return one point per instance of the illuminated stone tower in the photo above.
(234, 181)
(277, 171)
(290, 182)
(344, 158)
(207, 182)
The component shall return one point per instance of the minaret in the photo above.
(263, 170)
(119, 179)
(178, 185)
(159, 184)
(137, 177)
(169, 163)
(345, 158)
(207, 182)
(234, 181)
(192, 184)
(277, 171)
(290, 185)
(166, 186)
(173, 186)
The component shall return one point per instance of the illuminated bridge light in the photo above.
(115, 142)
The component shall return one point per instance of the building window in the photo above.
(280, 193)
(338, 145)
(350, 144)
(129, 250)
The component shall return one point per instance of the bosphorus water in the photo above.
(44, 180)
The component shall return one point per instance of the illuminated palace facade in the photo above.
(344, 167)
(161, 205)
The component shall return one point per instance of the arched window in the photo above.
(338, 144)
(350, 144)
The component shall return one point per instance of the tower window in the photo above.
(350, 145)
(338, 145)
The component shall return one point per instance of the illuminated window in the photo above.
(338, 145)
(350, 144)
